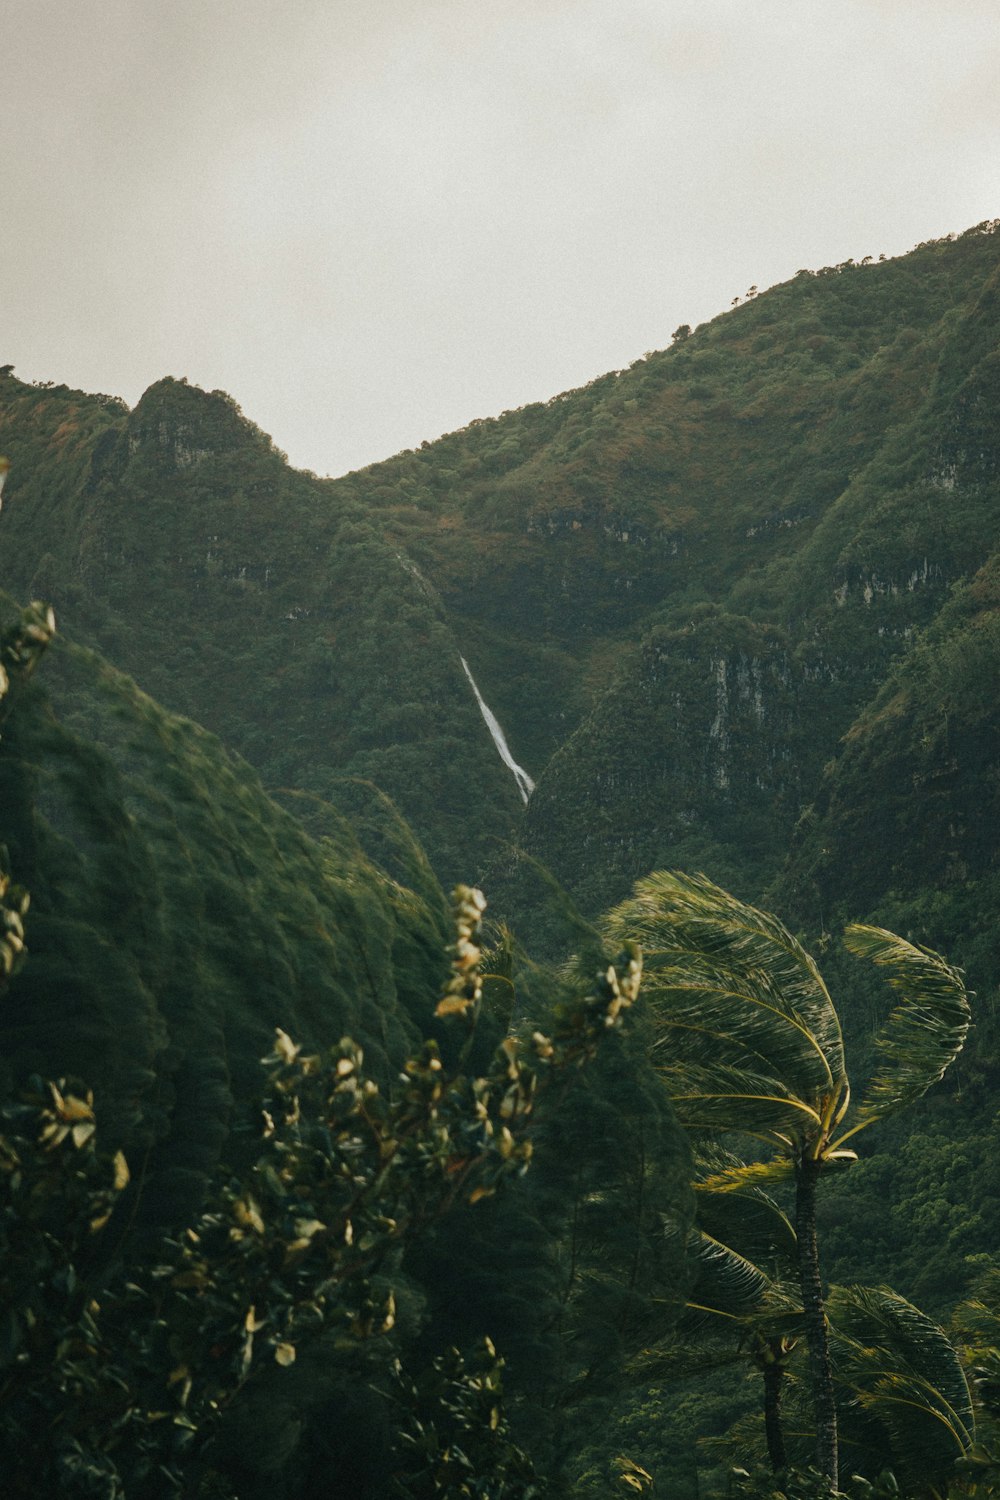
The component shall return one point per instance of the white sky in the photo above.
(373, 220)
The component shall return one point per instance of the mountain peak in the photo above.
(186, 425)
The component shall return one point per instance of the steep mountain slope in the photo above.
(677, 587)
(736, 608)
(251, 597)
(736, 706)
(178, 916)
(910, 803)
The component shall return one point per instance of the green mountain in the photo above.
(677, 588)
(735, 608)
(178, 916)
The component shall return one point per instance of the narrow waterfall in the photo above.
(525, 785)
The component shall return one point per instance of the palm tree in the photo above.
(750, 1042)
(902, 1394)
(742, 1304)
(902, 1384)
(975, 1325)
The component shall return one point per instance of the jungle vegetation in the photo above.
(315, 1181)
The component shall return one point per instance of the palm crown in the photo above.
(749, 1037)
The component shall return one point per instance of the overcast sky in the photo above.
(373, 220)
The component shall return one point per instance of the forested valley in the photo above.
(498, 951)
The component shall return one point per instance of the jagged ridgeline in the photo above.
(178, 915)
(265, 604)
(676, 588)
(734, 609)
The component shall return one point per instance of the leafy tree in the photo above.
(297, 1255)
(750, 1042)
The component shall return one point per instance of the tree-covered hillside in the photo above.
(736, 610)
(178, 915)
(179, 920)
(676, 587)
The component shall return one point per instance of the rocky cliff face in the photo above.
(909, 805)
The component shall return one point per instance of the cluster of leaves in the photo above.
(348, 1175)
(21, 647)
(61, 1385)
(298, 1251)
(13, 906)
(456, 1436)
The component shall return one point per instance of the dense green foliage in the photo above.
(149, 1233)
(149, 1376)
(736, 608)
(178, 915)
(730, 542)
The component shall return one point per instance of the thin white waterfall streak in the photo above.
(525, 785)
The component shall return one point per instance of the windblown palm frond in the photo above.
(925, 1031)
(723, 974)
(741, 1249)
(708, 920)
(743, 1257)
(975, 1326)
(976, 1320)
(739, 1177)
(725, 1097)
(746, 1216)
(902, 1370)
(727, 1282)
(705, 1013)
(735, 1303)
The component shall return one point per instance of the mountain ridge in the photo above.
(817, 464)
(736, 609)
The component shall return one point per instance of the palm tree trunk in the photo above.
(774, 1374)
(817, 1335)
